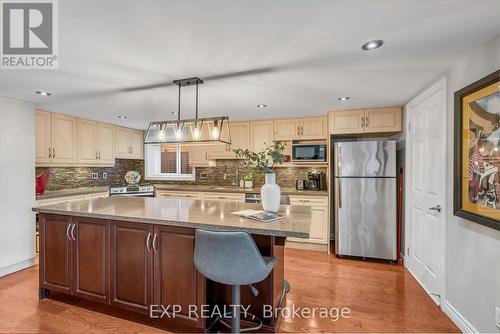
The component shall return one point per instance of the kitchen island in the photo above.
(129, 255)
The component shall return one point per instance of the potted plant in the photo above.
(264, 162)
(248, 180)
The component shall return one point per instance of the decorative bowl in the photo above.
(132, 177)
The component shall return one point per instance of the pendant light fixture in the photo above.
(213, 130)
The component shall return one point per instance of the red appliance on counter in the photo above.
(41, 182)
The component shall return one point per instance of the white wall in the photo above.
(472, 250)
(17, 195)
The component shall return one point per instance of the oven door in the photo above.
(309, 152)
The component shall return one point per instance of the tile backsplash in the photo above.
(75, 177)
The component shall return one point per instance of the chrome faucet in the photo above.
(236, 181)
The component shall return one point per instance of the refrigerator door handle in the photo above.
(340, 193)
(339, 158)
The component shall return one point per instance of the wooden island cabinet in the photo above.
(131, 266)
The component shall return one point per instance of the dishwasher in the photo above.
(255, 198)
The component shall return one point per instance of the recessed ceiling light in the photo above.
(43, 93)
(344, 98)
(371, 45)
(121, 117)
(261, 105)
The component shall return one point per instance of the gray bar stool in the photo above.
(231, 258)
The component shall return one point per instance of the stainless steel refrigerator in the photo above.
(365, 198)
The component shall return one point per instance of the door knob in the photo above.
(436, 208)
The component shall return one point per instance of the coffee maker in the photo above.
(316, 180)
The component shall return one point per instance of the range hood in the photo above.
(213, 130)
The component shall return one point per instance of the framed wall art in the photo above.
(477, 152)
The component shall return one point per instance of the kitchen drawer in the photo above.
(309, 200)
(178, 194)
(223, 197)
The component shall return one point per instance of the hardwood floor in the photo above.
(381, 298)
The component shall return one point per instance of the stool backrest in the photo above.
(229, 257)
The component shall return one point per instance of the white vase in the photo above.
(270, 194)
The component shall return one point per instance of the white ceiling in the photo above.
(296, 56)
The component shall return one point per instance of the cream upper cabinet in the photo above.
(198, 156)
(376, 120)
(106, 144)
(346, 121)
(313, 128)
(383, 120)
(286, 129)
(122, 143)
(300, 129)
(63, 129)
(219, 151)
(63, 140)
(240, 135)
(87, 137)
(261, 135)
(240, 138)
(129, 143)
(136, 144)
(43, 137)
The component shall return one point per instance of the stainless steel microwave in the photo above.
(309, 152)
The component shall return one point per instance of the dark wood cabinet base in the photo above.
(123, 268)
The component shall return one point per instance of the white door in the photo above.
(425, 184)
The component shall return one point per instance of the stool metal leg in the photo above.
(235, 321)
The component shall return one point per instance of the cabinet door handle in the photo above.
(301, 130)
(67, 231)
(366, 121)
(50, 153)
(96, 155)
(99, 155)
(298, 130)
(340, 194)
(154, 242)
(304, 200)
(73, 232)
(53, 152)
(148, 245)
(131, 149)
(362, 122)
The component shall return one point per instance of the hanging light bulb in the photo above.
(196, 132)
(178, 133)
(215, 131)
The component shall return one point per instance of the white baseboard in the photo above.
(307, 246)
(17, 266)
(458, 318)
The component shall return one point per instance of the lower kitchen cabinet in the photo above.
(178, 194)
(74, 256)
(55, 253)
(153, 265)
(91, 259)
(176, 280)
(131, 266)
(318, 233)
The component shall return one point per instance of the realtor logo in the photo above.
(29, 34)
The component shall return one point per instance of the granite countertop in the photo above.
(187, 213)
(228, 189)
(71, 192)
